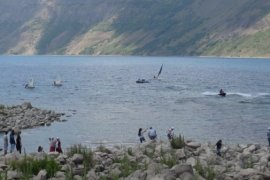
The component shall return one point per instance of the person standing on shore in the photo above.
(152, 134)
(268, 135)
(170, 133)
(219, 145)
(52, 144)
(12, 141)
(5, 142)
(140, 134)
(59, 147)
(19, 143)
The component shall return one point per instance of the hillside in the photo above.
(136, 27)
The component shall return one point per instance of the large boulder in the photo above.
(182, 168)
(26, 105)
(42, 175)
(193, 145)
(77, 158)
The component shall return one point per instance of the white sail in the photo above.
(30, 84)
(57, 82)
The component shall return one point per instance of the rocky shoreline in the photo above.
(150, 161)
(25, 116)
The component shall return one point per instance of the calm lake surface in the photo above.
(103, 103)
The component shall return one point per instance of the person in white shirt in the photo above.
(152, 134)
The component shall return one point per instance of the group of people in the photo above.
(152, 134)
(55, 145)
(12, 142)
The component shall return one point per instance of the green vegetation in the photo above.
(253, 45)
(126, 166)
(88, 159)
(171, 27)
(29, 166)
(178, 142)
(206, 172)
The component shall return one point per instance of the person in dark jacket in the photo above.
(19, 143)
(140, 134)
(12, 141)
(219, 145)
(59, 147)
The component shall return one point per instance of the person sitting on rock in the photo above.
(140, 134)
(152, 134)
(170, 133)
(219, 145)
(40, 149)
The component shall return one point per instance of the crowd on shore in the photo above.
(9, 140)
(152, 135)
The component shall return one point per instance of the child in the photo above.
(140, 134)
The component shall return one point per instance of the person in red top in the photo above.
(52, 144)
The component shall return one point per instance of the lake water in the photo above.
(103, 103)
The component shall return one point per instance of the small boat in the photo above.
(57, 83)
(30, 84)
(142, 81)
(222, 93)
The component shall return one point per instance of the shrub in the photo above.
(103, 149)
(86, 152)
(130, 151)
(178, 142)
(126, 167)
(29, 166)
(207, 172)
(168, 160)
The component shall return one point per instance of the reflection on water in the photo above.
(103, 104)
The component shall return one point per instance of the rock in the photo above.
(77, 177)
(181, 168)
(191, 161)
(26, 105)
(187, 176)
(77, 158)
(14, 175)
(60, 175)
(138, 175)
(61, 159)
(3, 166)
(180, 154)
(194, 145)
(78, 170)
(91, 175)
(42, 175)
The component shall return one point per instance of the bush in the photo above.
(29, 166)
(86, 152)
(207, 172)
(168, 160)
(178, 142)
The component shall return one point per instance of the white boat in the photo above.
(30, 84)
(57, 83)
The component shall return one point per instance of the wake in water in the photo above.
(247, 95)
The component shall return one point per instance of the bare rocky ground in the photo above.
(150, 161)
(25, 116)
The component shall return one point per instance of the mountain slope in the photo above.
(136, 27)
